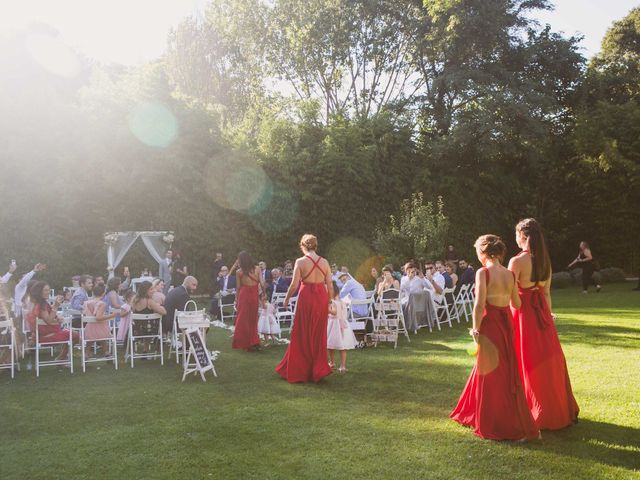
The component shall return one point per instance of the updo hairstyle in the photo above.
(491, 246)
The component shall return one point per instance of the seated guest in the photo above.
(450, 268)
(52, 331)
(414, 281)
(23, 286)
(177, 299)
(388, 281)
(375, 279)
(436, 280)
(112, 298)
(467, 275)
(96, 307)
(440, 268)
(353, 288)
(279, 284)
(7, 276)
(125, 316)
(143, 303)
(157, 291)
(227, 291)
(82, 294)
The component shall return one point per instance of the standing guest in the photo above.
(245, 335)
(52, 331)
(226, 291)
(335, 275)
(467, 275)
(177, 299)
(585, 261)
(339, 334)
(179, 270)
(125, 283)
(265, 277)
(22, 287)
(306, 357)
(451, 255)
(440, 268)
(450, 268)
(542, 364)
(218, 263)
(279, 284)
(493, 402)
(143, 303)
(96, 307)
(351, 287)
(81, 294)
(166, 265)
(388, 281)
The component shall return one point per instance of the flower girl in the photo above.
(339, 334)
(267, 324)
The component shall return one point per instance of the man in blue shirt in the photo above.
(350, 286)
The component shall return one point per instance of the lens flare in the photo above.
(278, 213)
(153, 124)
(348, 251)
(53, 55)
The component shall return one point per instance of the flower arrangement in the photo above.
(168, 238)
(110, 238)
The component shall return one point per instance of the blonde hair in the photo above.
(492, 246)
(309, 242)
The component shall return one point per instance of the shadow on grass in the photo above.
(599, 335)
(604, 443)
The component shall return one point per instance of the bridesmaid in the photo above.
(245, 335)
(493, 401)
(543, 368)
(306, 357)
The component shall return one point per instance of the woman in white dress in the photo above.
(267, 324)
(339, 334)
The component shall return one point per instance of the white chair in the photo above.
(176, 345)
(112, 351)
(286, 316)
(152, 323)
(462, 303)
(189, 320)
(369, 293)
(44, 344)
(389, 323)
(449, 295)
(442, 311)
(359, 322)
(227, 306)
(7, 329)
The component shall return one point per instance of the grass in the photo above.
(386, 418)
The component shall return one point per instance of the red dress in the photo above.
(493, 401)
(543, 368)
(245, 335)
(306, 357)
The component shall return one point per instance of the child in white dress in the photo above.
(339, 334)
(267, 324)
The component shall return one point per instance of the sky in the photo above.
(135, 31)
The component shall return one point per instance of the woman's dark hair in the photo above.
(128, 294)
(388, 268)
(540, 261)
(36, 293)
(142, 291)
(113, 284)
(98, 290)
(27, 292)
(247, 265)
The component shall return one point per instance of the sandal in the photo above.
(342, 369)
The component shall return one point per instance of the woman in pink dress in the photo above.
(248, 279)
(543, 367)
(493, 401)
(306, 357)
(100, 330)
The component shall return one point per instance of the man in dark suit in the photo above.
(215, 270)
(176, 299)
(279, 283)
(226, 291)
(467, 275)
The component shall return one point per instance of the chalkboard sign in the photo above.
(198, 349)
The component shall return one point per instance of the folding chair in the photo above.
(359, 322)
(112, 352)
(286, 315)
(176, 346)
(8, 331)
(461, 302)
(449, 295)
(49, 344)
(417, 309)
(389, 323)
(188, 320)
(227, 303)
(150, 327)
(442, 311)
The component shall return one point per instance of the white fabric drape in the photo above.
(117, 251)
(156, 246)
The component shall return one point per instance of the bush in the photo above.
(612, 275)
(561, 280)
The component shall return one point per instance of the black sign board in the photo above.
(203, 360)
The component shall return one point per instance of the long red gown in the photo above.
(543, 368)
(493, 401)
(245, 335)
(306, 357)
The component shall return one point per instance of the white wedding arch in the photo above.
(119, 243)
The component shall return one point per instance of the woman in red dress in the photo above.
(493, 401)
(245, 335)
(306, 357)
(543, 367)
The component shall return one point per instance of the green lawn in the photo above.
(386, 418)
